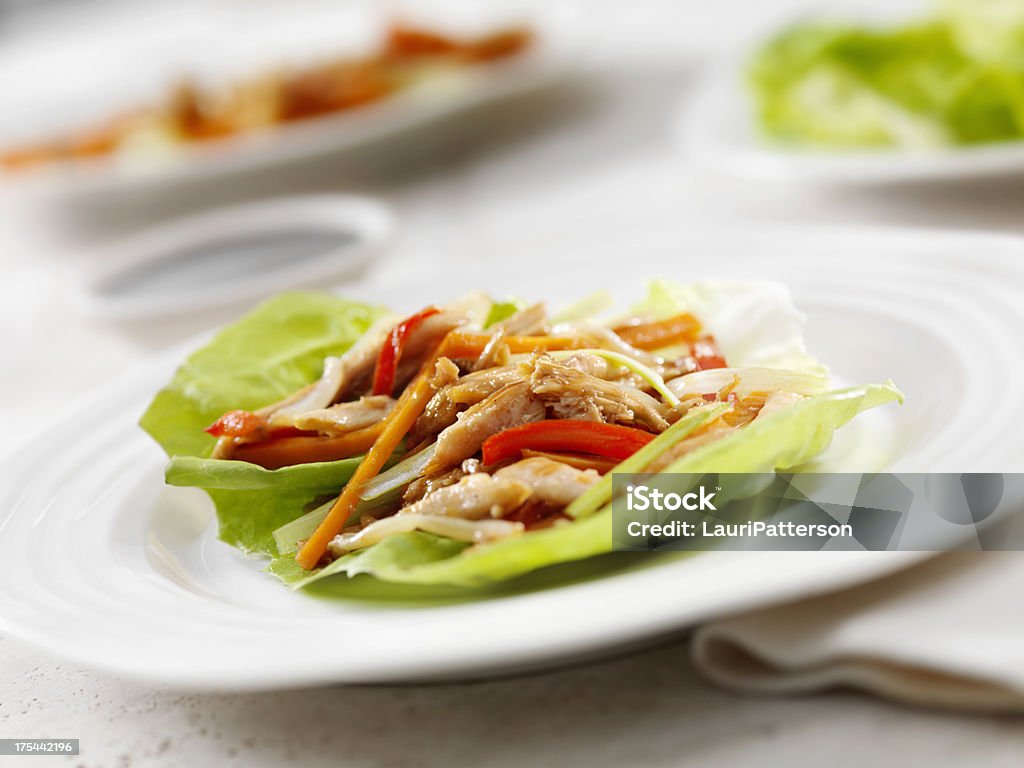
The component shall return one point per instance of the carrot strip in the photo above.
(397, 423)
(409, 41)
(466, 344)
(286, 451)
(500, 44)
(663, 333)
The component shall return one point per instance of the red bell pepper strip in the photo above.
(237, 424)
(610, 440)
(250, 426)
(391, 352)
(706, 355)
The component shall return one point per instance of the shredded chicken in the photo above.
(508, 407)
(345, 417)
(443, 408)
(341, 376)
(440, 411)
(531, 321)
(495, 353)
(474, 496)
(605, 338)
(445, 373)
(551, 482)
(474, 531)
(474, 387)
(313, 396)
(591, 364)
(778, 401)
(357, 363)
(320, 395)
(573, 394)
(426, 484)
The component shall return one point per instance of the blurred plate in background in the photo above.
(550, 58)
(719, 132)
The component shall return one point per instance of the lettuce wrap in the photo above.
(281, 347)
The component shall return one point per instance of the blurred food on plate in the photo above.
(955, 78)
(407, 57)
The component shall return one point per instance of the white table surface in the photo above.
(576, 167)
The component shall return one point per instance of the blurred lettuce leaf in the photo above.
(917, 86)
(987, 30)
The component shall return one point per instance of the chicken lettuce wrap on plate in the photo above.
(472, 442)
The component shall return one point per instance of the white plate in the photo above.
(100, 563)
(719, 131)
(551, 58)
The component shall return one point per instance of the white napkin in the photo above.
(948, 633)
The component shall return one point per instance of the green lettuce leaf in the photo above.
(501, 310)
(276, 349)
(420, 558)
(268, 354)
(386, 560)
(987, 30)
(252, 502)
(954, 80)
(787, 438)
